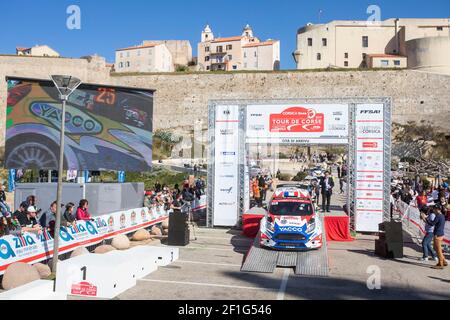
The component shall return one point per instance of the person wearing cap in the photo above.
(148, 199)
(28, 221)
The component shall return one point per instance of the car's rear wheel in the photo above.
(33, 154)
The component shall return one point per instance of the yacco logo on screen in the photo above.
(77, 122)
(297, 119)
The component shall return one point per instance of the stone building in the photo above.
(181, 50)
(422, 44)
(149, 57)
(37, 51)
(244, 52)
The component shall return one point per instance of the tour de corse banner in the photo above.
(32, 248)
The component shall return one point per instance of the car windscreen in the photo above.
(298, 209)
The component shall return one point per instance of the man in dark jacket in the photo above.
(439, 227)
(327, 185)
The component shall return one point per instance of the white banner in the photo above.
(306, 123)
(226, 186)
(369, 167)
(32, 248)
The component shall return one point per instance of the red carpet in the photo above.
(338, 228)
(250, 224)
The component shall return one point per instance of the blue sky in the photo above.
(110, 24)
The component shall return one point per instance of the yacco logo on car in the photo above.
(297, 119)
(77, 122)
(291, 229)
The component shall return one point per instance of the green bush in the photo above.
(300, 176)
(284, 177)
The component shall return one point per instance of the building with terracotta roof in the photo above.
(37, 51)
(422, 44)
(244, 52)
(146, 57)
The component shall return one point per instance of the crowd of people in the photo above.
(260, 185)
(28, 218)
(316, 157)
(433, 204)
(176, 197)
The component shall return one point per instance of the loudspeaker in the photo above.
(179, 237)
(178, 220)
(390, 243)
(393, 231)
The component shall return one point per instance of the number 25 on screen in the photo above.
(106, 96)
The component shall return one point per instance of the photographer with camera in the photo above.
(428, 217)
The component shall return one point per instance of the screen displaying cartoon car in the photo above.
(97, 134)
(291, 222)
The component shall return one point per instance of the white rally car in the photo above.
(291, 222)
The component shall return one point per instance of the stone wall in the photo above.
(181, 99)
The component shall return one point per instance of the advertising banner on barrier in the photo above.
(369, 191)
(32, 248)
(287, 124)
(226, 166)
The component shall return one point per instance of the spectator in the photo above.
(158, 187)
(187, 194)
(48, 216)
(428, 217)
(263, 187)
(422, 200)
(22, 209)
(439, 226)
(148, 199)
(82, 211)
(28, 222)
(9, 226)
(4, 207)
(256, 192)
(69, 217)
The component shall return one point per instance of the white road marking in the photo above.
(207, 284)
(210, 263)
(283, 285)
(219, 249)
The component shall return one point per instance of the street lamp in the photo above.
(66, 85)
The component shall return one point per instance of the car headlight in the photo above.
(311, 227)
(270, 227)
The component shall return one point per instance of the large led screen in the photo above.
(106, 128)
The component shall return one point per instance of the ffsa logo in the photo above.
(370, 111)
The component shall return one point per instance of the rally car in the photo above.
(291, 222)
